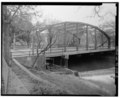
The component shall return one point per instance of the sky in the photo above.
(75, 13)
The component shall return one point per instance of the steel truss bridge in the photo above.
(72, 38)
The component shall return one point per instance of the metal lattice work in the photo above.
(69, 38)
(78, 35)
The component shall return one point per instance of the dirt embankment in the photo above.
(57, 84)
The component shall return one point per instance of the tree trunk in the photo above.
(5, 45)
(40, 63)
(6, 39)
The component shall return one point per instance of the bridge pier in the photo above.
(63, 61)
(66, 58)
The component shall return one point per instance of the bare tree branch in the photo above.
(97, 11)
(14, 14)
(45, 49)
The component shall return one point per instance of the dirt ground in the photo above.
(60, 83)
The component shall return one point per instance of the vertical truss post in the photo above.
(50, 37)
(109, 43)
(64, 37)
(77, 44)
(95, 38)
(14, 42)
(73, 40)
(32, 45)
(102, 39)
(86, 37)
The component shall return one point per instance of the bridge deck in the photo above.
(54, 52)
